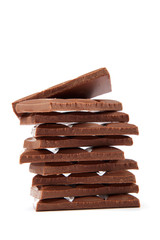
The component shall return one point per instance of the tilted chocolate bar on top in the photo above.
(86, 86)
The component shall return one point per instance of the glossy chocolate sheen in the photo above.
(81, 167)
(85, 129)
(45, 192)
(88, 85)
(113, 201)
(55, 104)
(70, 142)
(85, 178)
(71, 154)
(55, 117)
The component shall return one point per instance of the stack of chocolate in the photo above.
(72, 151)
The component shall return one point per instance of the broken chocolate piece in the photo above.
(81, 167)
(55, 117)
(71, 154)
(84, 129)
(85, 178)
(44, 192)
(113, 201)
(55, 104)
(70, 142)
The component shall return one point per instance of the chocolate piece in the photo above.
(56, 104)
(85, 129)
(72, 154)
(68, 142)
(80, 167)
(112, 201)
(88, 85)
(54, 117)
(44, 192)
(84, 178)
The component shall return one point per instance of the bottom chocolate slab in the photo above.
(112, 201)
(44, 192)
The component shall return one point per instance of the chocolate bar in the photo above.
(54, 117)
(81, 167)
(70, 142)
(44, 192)
(71, 154)
(111, 201)
(84, 178)
(55, 104)
(84, 129)
(70, 151)
(86, 86)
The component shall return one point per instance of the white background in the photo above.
(43, 43)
